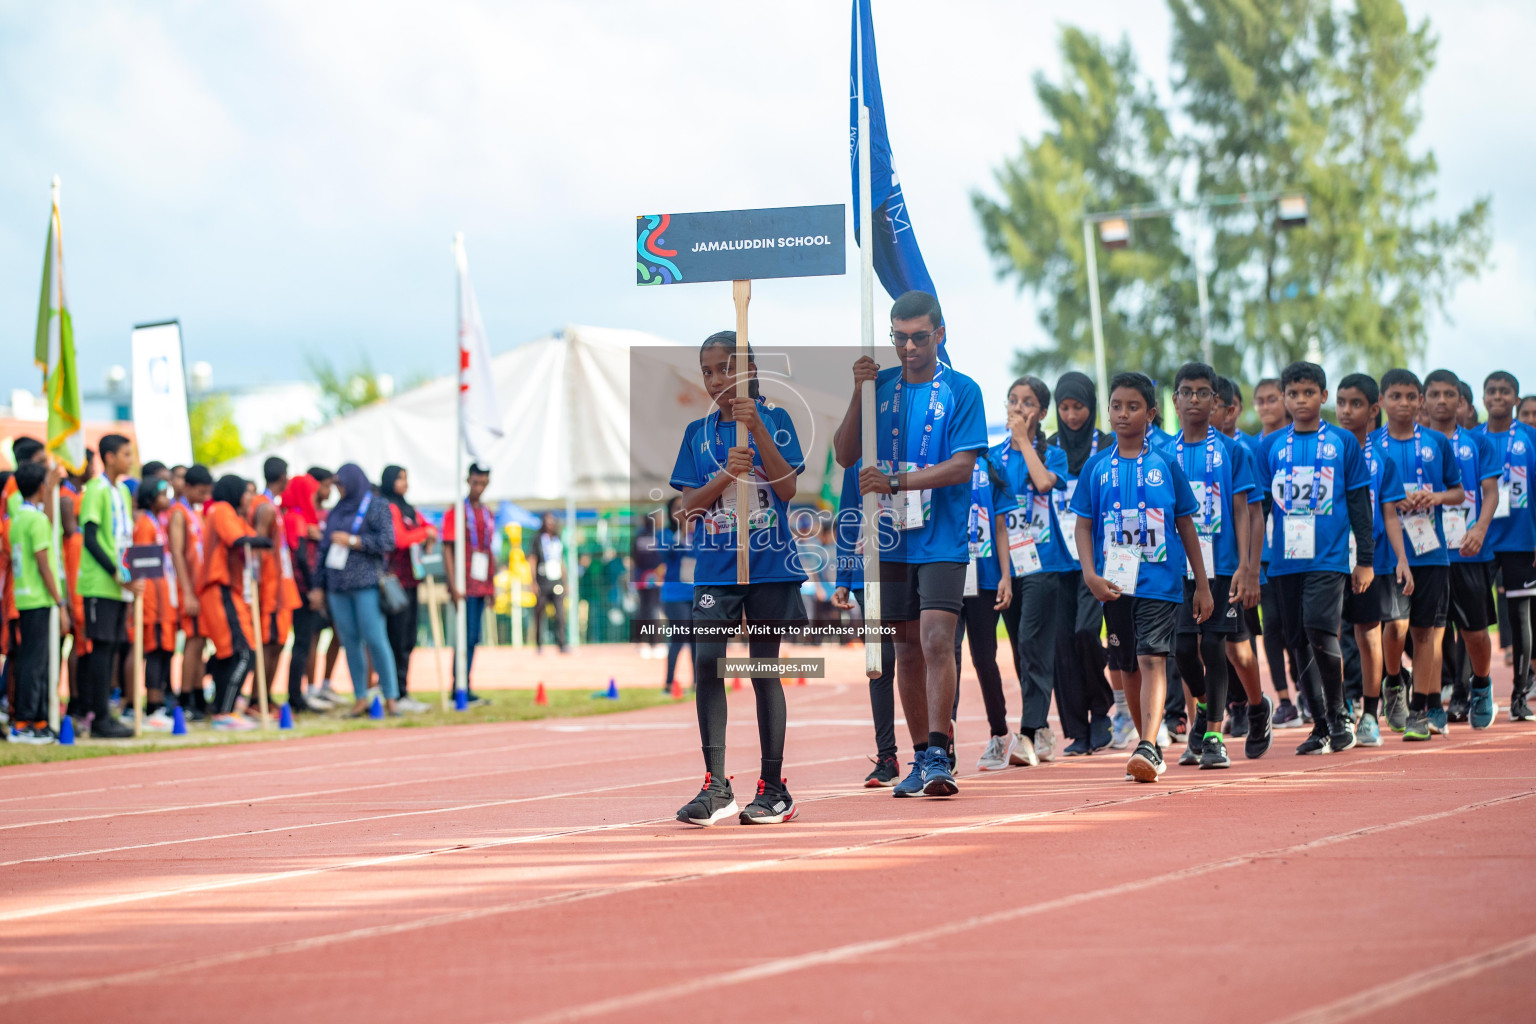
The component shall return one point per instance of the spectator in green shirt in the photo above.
(37, 590)
(106, 521)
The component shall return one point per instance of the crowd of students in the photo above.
(1137, 572)
(223, 546)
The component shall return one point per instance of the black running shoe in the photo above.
(1146, 764)
(715, 802)
(1341, 731)
(1260, 730)
(1315, 743)
(887, 771)
(1460, 703)
(772, 806)
(1237, 720)
(1100, 732)
(1215, 753)
(1195, 746)
(110, 728)
(1519, 706)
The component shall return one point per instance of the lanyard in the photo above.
(1317, 463)
(1210, 469)
(897, 438)
(979, 502)
(362, 511)
(1418, 454)
(34, 507)
(1141, 492)
(717, 448)
(121, 525)
(194, 523)
(1029, 481)
(472, 525)
(1509, 438)
(159, 530)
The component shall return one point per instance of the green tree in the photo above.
(215, 438)
(1108, 145)
(1274, 94)
(345, 391)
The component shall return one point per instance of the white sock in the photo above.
(1120, 704)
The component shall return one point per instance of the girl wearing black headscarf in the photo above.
(413, 534)
(359, 535)
(1083, 694)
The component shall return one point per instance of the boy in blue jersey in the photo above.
(1512, 535)
(850, 594)
(1084, 698)
(1319, 493)
(929, 430)
(1432, 479)
(1031, 472)
(1221, 479)
(1269, 406)
(1134, 563)
(989, 593)
(1471, 558)
(1224, 416)
(741, 439)
(1382, 608)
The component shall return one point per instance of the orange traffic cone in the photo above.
(677, 689)
(736, 683)
(800, 681)
(541, 698)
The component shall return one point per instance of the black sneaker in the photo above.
(1237, 719)
(1315, 743)
(887, 771)
(1286, 716)
(1260, 730)
(1215, 753)
(715, 802)
(1146, 764)
(1341, 731)
(1519, 706)
(110, 728)
(1100, 732)
(1196, 739)
(772, 806)
(1459, 704)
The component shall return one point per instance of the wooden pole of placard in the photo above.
(138, 665)
(741, 293)
(256, 641)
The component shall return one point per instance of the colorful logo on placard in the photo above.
(653, 264)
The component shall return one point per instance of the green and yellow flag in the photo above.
(55, 352)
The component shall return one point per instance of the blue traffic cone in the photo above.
(613, 690)
(178, 721)
(461, 700)
(376, 709)
(285, 720)
(66, 731)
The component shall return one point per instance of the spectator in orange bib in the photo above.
(279, 593)
(225, 616)
(161, 604)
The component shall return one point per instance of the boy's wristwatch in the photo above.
(894, 482)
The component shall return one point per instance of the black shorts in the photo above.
(1226, 618)
(1430, 602)
(1309, 600)
(106, 620)
(1137, 626)
(1472, 606)
(909, 588)
(1383, 601)
(1519, 571)
(764, 604)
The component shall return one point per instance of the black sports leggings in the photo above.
(882, 693)
(98, 669)
(981, 631)
(1275, 650)
(1520, 626)
(1202, 659)
(710, 692)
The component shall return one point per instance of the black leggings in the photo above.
(981, 632)
(1520, 627)
(1202, 659)
(882, 694)
(1082, 689)
(1322, 674)
(98, 670)
(402, 629)
(307, 624)
(157, 671)
(229, 673)
(711, 700)
(1275, 651)
(679, 613)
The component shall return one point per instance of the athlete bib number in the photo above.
(1514, 493)
(1121, 567)
(906, 510)
(760, 516)
(1207, 555)
(1023, 552)
(1297, 493)
(1214, 526)
(1420, 527)
(1455, 525)
(1153, 547)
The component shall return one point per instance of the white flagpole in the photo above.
(572, 591)
(55, 329)
(460, 607)
(871, 505)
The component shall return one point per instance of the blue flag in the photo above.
(898, 261)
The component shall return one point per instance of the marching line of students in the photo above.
(1131, 553)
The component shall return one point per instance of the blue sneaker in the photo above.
(912, 785)
(1439, 721)
(937, 778)
(1368, 734)
(1483, 711)
(1122, 730)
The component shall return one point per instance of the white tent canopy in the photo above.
(566, 416)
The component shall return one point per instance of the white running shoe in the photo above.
(995, 757)
(1045, 744)
(1023, 754)
(411, 705)
(160, 721)
(1122, 730)
(1164, 741)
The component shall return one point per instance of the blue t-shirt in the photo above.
(1479, 460)
(938, 419)
(1219, 467)
(988, 500)
(1112, 492)
(1515, 450)
(1305, 472)
(1034, 510)
(1386, 486)
(1260, 452)
(674, 548)
(1424, 460)
(772, 552)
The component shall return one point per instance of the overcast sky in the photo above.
(285, 177)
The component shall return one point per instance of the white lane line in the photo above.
(584, 894)
(714, 981)
(118, 899)
(1402, 989)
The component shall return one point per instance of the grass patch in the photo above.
(505, 706)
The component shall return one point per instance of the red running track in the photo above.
(532, 872)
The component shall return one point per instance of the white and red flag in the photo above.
(479, 413)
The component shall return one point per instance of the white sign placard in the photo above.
(160, 395)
